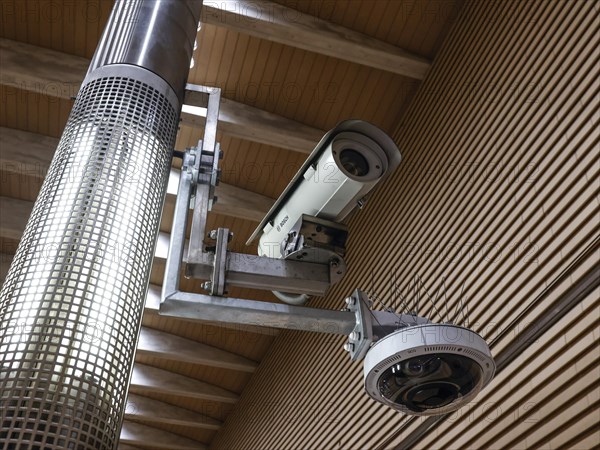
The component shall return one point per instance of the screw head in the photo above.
(348, 346)
(207, 285)
(354, 336)
(212, 234)
(349, 301)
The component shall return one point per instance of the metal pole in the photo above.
(71, 305)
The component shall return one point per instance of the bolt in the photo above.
(207, 285)
(348, 346)
(354, 336)
(212, 234)
(349, 301)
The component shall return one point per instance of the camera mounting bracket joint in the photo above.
(372, 325)
(361, 337)
(217, 284)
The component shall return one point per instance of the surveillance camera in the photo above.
(337, 176)
(344, 166)
(428, 369)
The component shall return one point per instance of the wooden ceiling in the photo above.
(288, 71)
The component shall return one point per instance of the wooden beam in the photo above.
(148, 379)
(13, 218)
(152, 438)
(24, 154)
(44, 71)
(268, 20)
(149, 410)
(41, 70)
(247, 122)
(168, 346)
(5, 260)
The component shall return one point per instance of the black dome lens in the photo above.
(428, 382)
(431, 395)
(354, 163)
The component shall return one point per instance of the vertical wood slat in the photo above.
(516, 45)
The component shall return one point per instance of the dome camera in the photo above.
(428, 369)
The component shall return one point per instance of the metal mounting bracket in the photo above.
(199, 177)
(371, 325)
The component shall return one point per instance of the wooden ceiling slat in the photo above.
(225, 59)
(300, 96)
(250, 61)
(347, 88)
(314, 91)
(388, 22)
(12, 223)
(230, 380)
(241, 48)
(213, 52)
(374, 12)
(204, 41)
(275, 75)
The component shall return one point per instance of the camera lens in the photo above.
(431, 395)
(354, 163)
(429, 382)
(421, 366)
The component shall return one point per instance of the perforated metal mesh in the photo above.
(71, 305)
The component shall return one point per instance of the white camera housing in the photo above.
(343, 168)
(428, 369)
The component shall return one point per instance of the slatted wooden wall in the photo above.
(494, 209)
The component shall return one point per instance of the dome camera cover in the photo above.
(428, 369)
